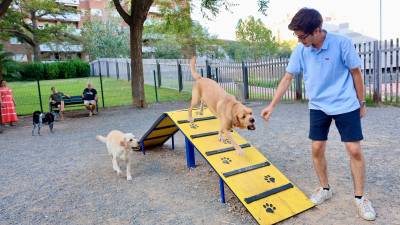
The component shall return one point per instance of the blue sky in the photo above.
(362, 15)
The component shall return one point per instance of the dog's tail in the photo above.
(195, 75)
(101, 138)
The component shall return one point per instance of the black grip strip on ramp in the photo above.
(246, 169)
(165, 127)
(204, 134)
(198, 119)
(268, 193)
(157, 137)
(218, 151)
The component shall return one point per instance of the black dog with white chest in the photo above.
(40, 118)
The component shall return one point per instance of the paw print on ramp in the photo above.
(226, 160)
(269, 208)
(194, 126)
(269, 179)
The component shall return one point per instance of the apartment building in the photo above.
(86, 11)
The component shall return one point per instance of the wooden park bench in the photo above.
(71, 101)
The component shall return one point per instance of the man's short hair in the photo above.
(306, 20)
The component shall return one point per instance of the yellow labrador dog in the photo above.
(120, 146)
(224, 106)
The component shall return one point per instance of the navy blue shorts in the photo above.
(348, 124)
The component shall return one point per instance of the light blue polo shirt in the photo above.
(326, 73)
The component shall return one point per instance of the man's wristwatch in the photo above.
(362, 103)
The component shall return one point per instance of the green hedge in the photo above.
(54, 70)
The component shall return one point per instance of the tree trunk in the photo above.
(137, 82)
(4, 6)
(36, 52)
(36, 46)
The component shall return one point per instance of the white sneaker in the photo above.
(365, 209)
(320, 195)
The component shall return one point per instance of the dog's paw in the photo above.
(227, 141)
(129, 177)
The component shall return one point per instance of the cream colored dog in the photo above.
(224, 106)
(120, 146)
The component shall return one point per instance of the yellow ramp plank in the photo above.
(267, 210)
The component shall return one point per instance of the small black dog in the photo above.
(40, 118)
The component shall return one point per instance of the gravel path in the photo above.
(67, 177)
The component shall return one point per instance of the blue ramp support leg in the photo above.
(189, 154)
(221, 189)
(173, 142)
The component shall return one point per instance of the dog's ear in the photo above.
(236, 119)
(123, 143)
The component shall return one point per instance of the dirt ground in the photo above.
(67, 177)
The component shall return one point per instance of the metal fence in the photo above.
(259, 80)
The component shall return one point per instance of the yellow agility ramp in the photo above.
(267, 194)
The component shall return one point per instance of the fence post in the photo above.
(298, 83)
(99, 66)
(117, 68)
(40, 94)
(377, 72)
(108, 69)
(208, 69)
(245, 81)
(101, 85)
(216, 74)
(128, 70)
(91, 69)
(155, 85)
(180, 83)
(158, 73)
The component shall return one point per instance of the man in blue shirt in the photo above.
(333, 82)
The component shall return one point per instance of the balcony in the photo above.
(155, 10)
(70, 17)
(69, 2)
(65, 47)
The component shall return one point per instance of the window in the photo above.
(15, 41)
(96, 12)
(20, 57)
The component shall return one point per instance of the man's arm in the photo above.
(359, 86)
(282, 88)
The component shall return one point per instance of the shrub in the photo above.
(82, 68)
(52, 72)
(32, 71)
(67, 70)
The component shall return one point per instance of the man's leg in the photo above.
(319, 129)
(319, 161)
(357, 165)
(62, 110)
(349, 126)
(94, 107)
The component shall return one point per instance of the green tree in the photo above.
(256, 37)
(4, 4)
(105, 39)
(135, 17)
(22, 22)
(5, 59)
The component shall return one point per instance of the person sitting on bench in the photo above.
(56, 101)
(89, 96)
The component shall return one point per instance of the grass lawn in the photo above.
(116, 93)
